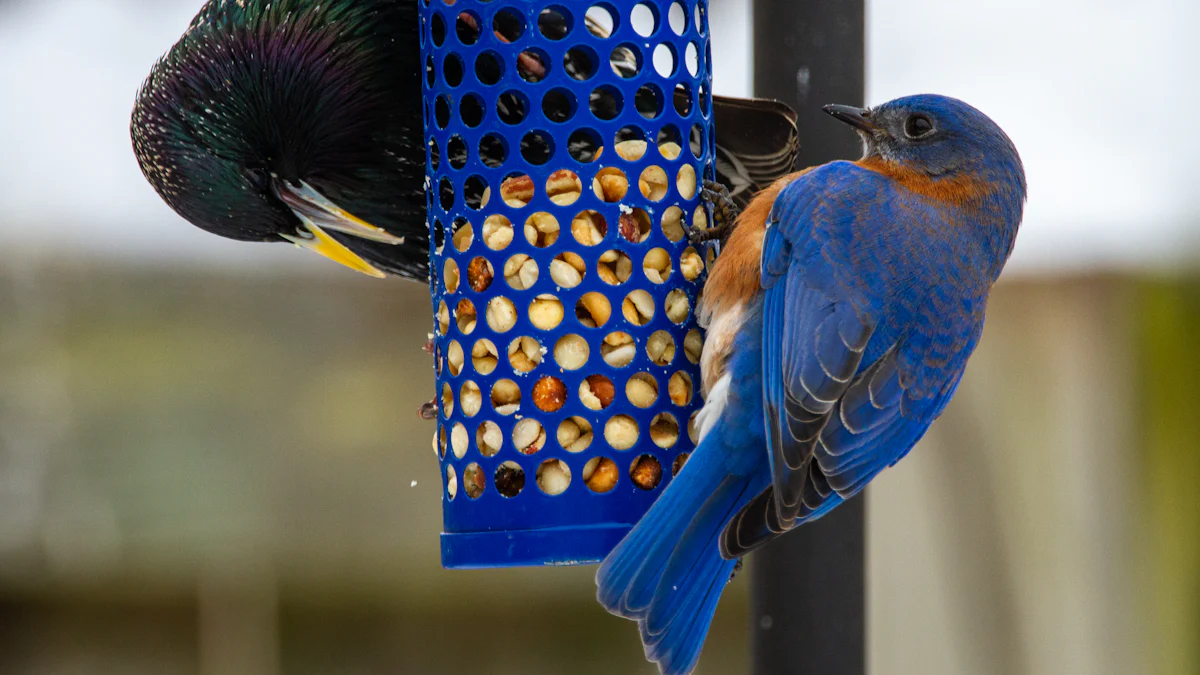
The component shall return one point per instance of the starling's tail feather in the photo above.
(668, 572)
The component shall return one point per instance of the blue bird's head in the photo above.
(938, 136)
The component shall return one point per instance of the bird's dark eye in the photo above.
(917, 126)
(258, 177)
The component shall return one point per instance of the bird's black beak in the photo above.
(858, 118)
(318, 214)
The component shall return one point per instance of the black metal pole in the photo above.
(807, 602)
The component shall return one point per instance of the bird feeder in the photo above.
(567, 142)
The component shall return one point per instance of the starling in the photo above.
(301, 121)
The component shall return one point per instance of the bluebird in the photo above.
(840, 316)
(301, 121)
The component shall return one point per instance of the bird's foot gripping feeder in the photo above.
(566, 144)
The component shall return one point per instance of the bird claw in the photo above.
(725, 213)
(429, 346)
(736, 568)
(428, 411)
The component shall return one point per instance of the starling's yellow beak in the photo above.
(318, 214)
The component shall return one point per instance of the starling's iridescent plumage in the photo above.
(265, 105)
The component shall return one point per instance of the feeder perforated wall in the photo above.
(567, 142)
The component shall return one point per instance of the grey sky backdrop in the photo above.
(1100, 96)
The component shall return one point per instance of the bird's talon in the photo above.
(428, 411)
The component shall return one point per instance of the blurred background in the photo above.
(210, 461)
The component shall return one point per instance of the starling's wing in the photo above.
(757, 143)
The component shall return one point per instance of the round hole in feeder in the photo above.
(664, 59)
(644, 19)
(669, 142)
(653, 183)
(441, 111)
(435, 155)
(430, 75)
(475, 192)
(516, 190)
(660, 348)
(679, 388)
(580, 63)
(680, 460)
(463, 235)
(508, 25)
(456, 152)
(685, 181)
(470, 398)
(691, 264)
(553, 477)
(693, 428)
(559, 105)
(497, 232)
(554, 22)
(443, 318)
(683, 99)
(451, 483)
(705, 101)
(501, 314)
(484, 356)
(614, 267)
(600, 474)
(691, 58)
(488, 68)
(593, 310)
(596, 392)
(441, 441)
(701, 12)
(657, 265)
(545, 312)
(672, 224)
(447, 400)
(512, 107)
(528, 436)
(437, 29)
(584, 145)
(474, 482)
(452, 70)
(621, 432)
(509, 479)
(700, 222)
(455, 358)
(524, 354)
(610, 184)
(479, 274)
(533, 65)
(549, 394)
(648, 101)
(506, 397)
(625, 60)
(641, 390)
(646, 472)
(606, 102)
(635, 226)
(567, 270)
(618, 349)
(446, 194)
(571, 352)
(470, 110)
(450, 276)
(710, 259)
(563, 187)
(589, 227)
(493, 150)
(465, 316)
(574, 434)
(520, 272)
(437, 360)
(693, 345)
(489, 439)
(467, 28)
(630, 146)
(459, 440)
(439, 235)
(537, 147)
(677, 306)
(541, 229)
(601, 20)
(664, 430)
(638, 307)
(677, 18)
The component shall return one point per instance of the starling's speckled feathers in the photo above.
(261, 96)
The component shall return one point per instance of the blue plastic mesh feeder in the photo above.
(566, 141)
